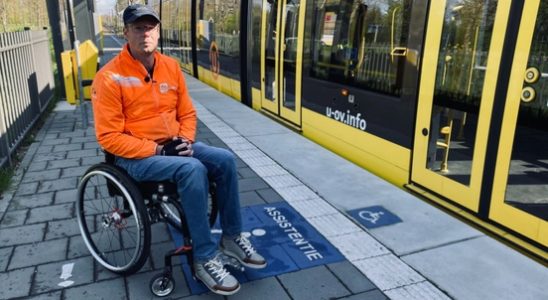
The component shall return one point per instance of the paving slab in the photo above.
(51, 213)
(264, 289)
(50, 277)
(46, 296)
(41, 175)
(57, 185)
(66, 196)
(313, 283)
(14, 218)
(38, 253)
(62, 228)
(480, 269)
(16, 283)
(30, 201)
(351, 277)
(108, 289)
(5, 254)
(22, 234)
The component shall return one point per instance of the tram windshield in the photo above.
(360, 43)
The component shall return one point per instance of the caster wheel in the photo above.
(161, 285)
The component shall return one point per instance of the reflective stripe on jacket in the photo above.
(133, 113)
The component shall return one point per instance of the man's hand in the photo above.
(177, 147)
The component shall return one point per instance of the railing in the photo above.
(26, 86)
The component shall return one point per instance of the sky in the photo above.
(104, 6)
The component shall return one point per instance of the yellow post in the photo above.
(68, 76)
(88, 55)
(88, 63)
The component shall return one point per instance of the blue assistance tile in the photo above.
(278, 263)
(313, 251)
(279, 213)
(374, 216)
(249, 218)
(286, 240)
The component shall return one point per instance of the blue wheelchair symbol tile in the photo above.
(374, 216)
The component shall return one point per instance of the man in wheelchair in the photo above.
(144, 116)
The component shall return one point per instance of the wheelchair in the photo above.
(115, 214)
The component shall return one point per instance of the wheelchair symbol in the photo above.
(371, 216)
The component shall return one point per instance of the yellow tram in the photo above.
(448, 99)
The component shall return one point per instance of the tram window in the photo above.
(460, 76)
(218, 36)
(176, 31)
(355, 42)
(256, 14)
(463, 54)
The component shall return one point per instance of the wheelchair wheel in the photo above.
(162, 285)
(113, 220)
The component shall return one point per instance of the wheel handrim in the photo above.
(116, 242)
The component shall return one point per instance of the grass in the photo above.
(5, 178)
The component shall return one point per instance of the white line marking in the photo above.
(66, 272)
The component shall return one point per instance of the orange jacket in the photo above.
(134, 113)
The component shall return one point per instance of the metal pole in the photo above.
(81, 101)
(72, 28)
(54, 23)
(76, 45)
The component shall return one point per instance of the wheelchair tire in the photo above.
(113, 220)
(162, 285)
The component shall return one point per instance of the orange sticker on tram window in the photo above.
(214, 60)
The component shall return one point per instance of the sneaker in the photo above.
(214, 275)
(241, 249)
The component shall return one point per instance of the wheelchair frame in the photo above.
(141, 205)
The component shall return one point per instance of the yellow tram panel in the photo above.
(383, 158)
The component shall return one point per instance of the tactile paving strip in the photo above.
(334, 225)
(313, 208)
(388, 271)
(395, 278)
(418, 291)
(358, 245)
(282, 181)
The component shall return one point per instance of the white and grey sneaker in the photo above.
(241, 249)
(214, 275)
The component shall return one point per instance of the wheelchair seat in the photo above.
(147, 188)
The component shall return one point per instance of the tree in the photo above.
(16, 15)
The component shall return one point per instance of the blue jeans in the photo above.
(191, 176)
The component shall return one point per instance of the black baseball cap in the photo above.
(136, 11)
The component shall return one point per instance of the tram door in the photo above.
(462, 55)
(520, 188)
(281, 39)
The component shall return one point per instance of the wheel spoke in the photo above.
(114, 228)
